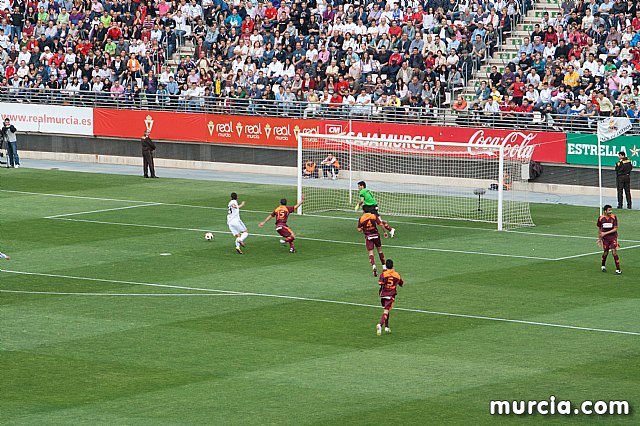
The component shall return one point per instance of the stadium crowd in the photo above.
(314, 57)
(574, 67)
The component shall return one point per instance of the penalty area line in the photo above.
(322, 240)
(102, 210)
(45, 194)
(336, 302)
(594, 252)
(61, 293)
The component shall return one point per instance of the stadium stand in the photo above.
(548, 64)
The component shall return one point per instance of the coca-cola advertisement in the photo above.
(547, 147)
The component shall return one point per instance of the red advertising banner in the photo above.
(170, 126)
(264, 131)
(281, 132)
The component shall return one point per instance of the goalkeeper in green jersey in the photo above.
(370, 205)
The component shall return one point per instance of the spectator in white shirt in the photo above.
(491, 107)
(545, 96)
(24, 55)
(362, 104)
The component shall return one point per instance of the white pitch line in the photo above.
(435, 225)
(127, 201)
(575, 256)
(101, 210)
(591, 237)
(337, 302)
(80, 197)
(310, 215)
(102, 280)
(59, 293)
(307, 239)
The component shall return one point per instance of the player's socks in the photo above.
(604, 258)
(372, 260)
(375, 270)
(386, 322)
(243, 236)
(4, 256)
(617, 260)
(237, 243)
(383, 319)
(381, 256)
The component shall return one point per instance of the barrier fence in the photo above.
(234, 126)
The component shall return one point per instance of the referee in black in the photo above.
(623, 178)
(147, 155)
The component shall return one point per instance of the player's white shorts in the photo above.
(236, 227)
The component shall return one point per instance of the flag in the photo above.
(612, 127)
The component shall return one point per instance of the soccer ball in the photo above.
(208, 236)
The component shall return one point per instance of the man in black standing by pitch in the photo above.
(623, 178)
(147, 155)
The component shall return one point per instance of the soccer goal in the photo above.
(445, 180)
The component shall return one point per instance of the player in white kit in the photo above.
(236, 226)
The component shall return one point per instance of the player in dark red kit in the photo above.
(368, 225)
(281, 213)
(608, 237)
(389, 282)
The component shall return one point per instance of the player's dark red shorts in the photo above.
(372, 241)
(610, 244)
(284, 231)
(387, 303)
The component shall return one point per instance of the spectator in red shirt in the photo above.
(84, 47)
(395, 30)
(31, 44)
(10, 70)
(57, 59)
(28, 29)
(335, 103)
(114, 31)
(270, 12)
(517, 88)
(248, 24)
(551, 36)
(636, 21)
(341, 84)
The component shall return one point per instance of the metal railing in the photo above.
(405, 114)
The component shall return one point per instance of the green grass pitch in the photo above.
(277, 338)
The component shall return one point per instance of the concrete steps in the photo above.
(509, 49)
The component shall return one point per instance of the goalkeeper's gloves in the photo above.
(356, 207)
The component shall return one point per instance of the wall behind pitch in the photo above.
(167, 150)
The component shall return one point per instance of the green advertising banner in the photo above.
(583, 149)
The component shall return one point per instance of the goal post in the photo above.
(441, 180)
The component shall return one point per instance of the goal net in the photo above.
(410, 178)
